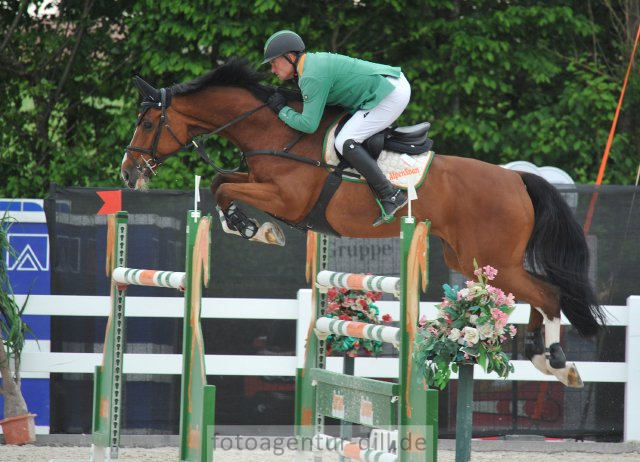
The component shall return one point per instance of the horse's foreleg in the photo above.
(222, 178)
(260, 195)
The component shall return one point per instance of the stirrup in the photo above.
(388, 217)
(384, 218)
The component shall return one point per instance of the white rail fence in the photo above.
(40, 362)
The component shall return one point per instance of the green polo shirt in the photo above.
(337, 80)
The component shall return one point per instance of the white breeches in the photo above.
(368, 122)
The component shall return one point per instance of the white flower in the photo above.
(473, 318)
(454, 335)
(471, 335)
(485, 331)
(463, 294)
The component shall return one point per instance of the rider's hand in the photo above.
(276, 102)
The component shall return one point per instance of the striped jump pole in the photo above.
(408, 405)
(197, 399)
(154, 278)
(328, 326)
(367, 282)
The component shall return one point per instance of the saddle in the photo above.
(411, 140)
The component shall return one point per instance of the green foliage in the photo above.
(470, 329)
(536, 81)
(13, 329)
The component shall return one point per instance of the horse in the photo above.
(514, 221)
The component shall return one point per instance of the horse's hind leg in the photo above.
(544, 351)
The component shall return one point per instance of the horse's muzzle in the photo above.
(131, 177)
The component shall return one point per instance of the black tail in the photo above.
(557, 251)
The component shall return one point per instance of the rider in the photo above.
(375, 95)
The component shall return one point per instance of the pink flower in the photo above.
(423, 320)
(387, 318)
(510, 300)
(344, 317)
(331, 293)
(490, 272)
(332, 307)
(501, 318)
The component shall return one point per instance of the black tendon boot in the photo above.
(391, 199)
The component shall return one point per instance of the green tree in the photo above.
(499, 81)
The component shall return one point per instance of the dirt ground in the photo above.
(46, 453)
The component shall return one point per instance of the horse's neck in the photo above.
(213, 108)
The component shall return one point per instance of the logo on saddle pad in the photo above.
(402, 170)
(396, 175)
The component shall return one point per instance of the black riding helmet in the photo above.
(280, 43)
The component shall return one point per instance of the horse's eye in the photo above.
(147, 125)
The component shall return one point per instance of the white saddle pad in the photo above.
(402, 170)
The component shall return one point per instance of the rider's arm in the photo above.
(314, 94)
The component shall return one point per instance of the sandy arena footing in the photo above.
(164, 449)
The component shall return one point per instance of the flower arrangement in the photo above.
(354, 305)
(471, 328)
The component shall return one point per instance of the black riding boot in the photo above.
(391, 198)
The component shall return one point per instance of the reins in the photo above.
(199, 148)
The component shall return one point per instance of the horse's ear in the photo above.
(145, 89)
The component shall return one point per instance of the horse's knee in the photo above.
(220, 196)
(218, 181)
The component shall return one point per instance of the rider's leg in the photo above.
(391, 198)
(362, 125)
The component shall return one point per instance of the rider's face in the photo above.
(282, 68)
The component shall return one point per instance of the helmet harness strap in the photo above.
(293, 63)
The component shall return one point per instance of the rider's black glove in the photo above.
(276, 102)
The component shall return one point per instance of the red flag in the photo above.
(112, 202)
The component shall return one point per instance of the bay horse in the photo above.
(514, 221)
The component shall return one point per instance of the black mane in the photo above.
(236, 72)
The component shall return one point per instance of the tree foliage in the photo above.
(499, 80)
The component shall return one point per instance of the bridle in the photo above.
(151, 160)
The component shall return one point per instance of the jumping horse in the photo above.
(514, 221)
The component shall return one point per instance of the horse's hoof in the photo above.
(270, 233)
(573, 377)
(569, 376)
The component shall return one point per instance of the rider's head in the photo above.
(282, 50)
